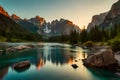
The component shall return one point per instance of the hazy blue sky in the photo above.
(78, 11)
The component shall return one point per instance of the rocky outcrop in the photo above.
(3, 12)
(57, 27)
(16, 18)
(19, 48)
(108, 19)
(113, 16)
(21, 66)
(38, 21)
(102, 59)
(63, 27)
(97, 20)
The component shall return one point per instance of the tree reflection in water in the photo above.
(57, 55)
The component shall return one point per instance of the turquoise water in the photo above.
(51, 61)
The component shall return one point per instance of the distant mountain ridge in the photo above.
(38, 21)
(63, 26)
(16, 18)
(25, 23)
(56, 27)
(11, 30)
(39, 25)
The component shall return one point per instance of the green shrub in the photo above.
(115, 43)
(2, 39)
(89, 44)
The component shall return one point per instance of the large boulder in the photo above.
(102, 59)
(21, 66)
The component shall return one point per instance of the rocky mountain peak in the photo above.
(113, 16)
(37, 21)
(63, 26)
(69, 22)
(38, 17)
(3, 12)
(108, 19)
(62, 20)
(115, 10)
(97, 20)
(16, 18)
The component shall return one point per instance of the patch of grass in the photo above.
(3, 39)
(89, 44)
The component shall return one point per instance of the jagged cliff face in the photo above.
(58, 27)
(39, 21)
(38, 24)
(113, 16)
(63, 27)
(3, 12)
(97, 20)
(115, 10)
(16, 18)
(108, 19)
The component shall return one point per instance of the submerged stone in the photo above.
(21, 66)
(74, 66)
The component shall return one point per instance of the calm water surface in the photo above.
(51, 61)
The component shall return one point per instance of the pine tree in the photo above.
(83, 35)
(74, 37)
(113, 31)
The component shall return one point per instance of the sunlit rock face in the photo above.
(107, 19)
(58, 27)
(3, 12)
(16, 18)
(63, 26)
(115, 10)
(102, 59)
(40, 26)
(97, 20)
(38, 21)
(113, 16)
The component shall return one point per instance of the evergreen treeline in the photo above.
(95, 34)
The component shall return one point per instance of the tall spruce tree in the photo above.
(83, 35)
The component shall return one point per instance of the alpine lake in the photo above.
(50, 61)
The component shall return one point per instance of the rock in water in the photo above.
(21, 66)
(102, 59)
(74, 66)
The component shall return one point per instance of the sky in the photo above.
(80, 12)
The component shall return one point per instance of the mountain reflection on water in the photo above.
(49, 61)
